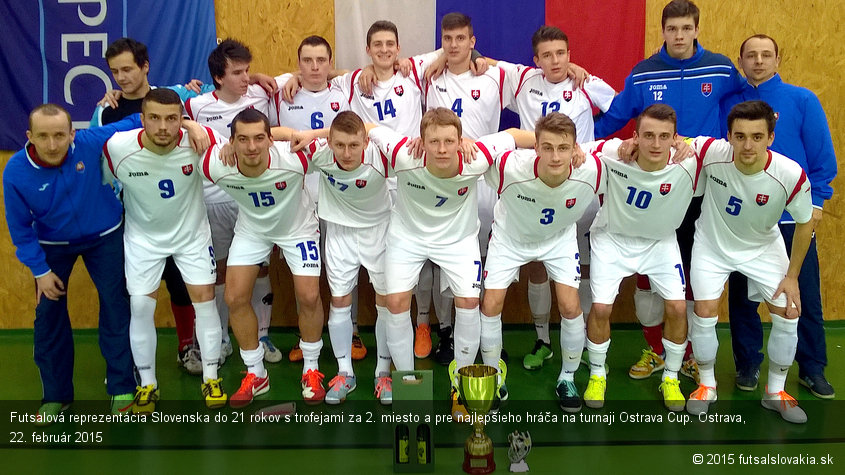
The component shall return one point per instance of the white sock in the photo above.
(598, 355)
(222, 310)
(467, 335)
(674, 357)
(783, 340)
(142, 337)
(254, 361)
(585, 295)
(423, 294)
(571, 344)
(383, 363)
(310, 354)
(649, 307)
(400, 340)
(705, 344)
(540, 303)
(209, 337)
(353, 314)
(491, 339)
(340, 335)
(261, 293)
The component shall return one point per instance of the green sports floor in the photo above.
(632, 434)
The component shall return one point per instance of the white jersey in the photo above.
(645, 204)
(528, 210)
(535, 97)
(395, 103)
(310, 110)
(272, 206)
(357, 198)
(477, 100)
(428, 208)
(211, 111)
(162, 193)
(740, 212)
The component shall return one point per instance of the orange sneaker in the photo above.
(295, 354)
(359, 351)
(313, 391)
(422, 341)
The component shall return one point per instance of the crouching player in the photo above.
(748, 188)
(541, 197)
(634, 232)
(273, 208)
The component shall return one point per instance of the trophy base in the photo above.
(519, 467)
(478, 464)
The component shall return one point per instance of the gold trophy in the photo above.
(477, 387)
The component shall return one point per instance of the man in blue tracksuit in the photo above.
(802, 134)
(693, 81)
(58, 209)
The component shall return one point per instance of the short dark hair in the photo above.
(314, 40)
(122, 45)
(50, 109)
(228, 50)
(662, 112)
(250, 116)
(555, 123)
(348, 122)
(680, 9)
(161, 95)
(759, 37)
(442, 117)
(382, 25)
(548, 33)
(752, 110)
(455, 20)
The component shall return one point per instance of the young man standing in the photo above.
(165, 216)
(748, 189)
(274, 209)
(803, 135)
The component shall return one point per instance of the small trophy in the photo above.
(518, 450)
(477, 387)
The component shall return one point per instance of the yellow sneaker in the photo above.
(673, 398)
(215, 396)
(594, 395)
(649, 363)
(690, 370)
(146, 398)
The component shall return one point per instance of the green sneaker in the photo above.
(594, 395)
(542, 351)
(122, 403)
(567, 396)
(49, 412)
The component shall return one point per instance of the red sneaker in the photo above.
(251, 386)
(313, 391)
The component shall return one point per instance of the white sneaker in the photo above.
(225, 352)
(700, 399)
(786, 405)
(189, 359)
(271, 353)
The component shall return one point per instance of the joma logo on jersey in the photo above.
(463, 191)
(617, 172)
(399, 90)
(534, 91)
(440, 89)
(657, 87)
(293, 108)
(281, 185)
(762, 199)
(367, 96)
(526, 198)
(567, 96)
(235, 187)
(335, 106)
(131, 174)
(476, 93)
(706, 89)
(213, 118)
(360, 183)
(665, 188)
(187, 170)
(718, 181)
(570, 202)
(414, 185)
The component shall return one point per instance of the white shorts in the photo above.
(460, 264)
(710, 270)
(301, 254)
(487, 198)
(222, 218)
(145, 264)
(347, 249)
(559, 253)
(583, 230)
(615, 257)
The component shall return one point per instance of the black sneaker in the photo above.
(818, 385)
(444, 353)
(747, 380)
(567, 396)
